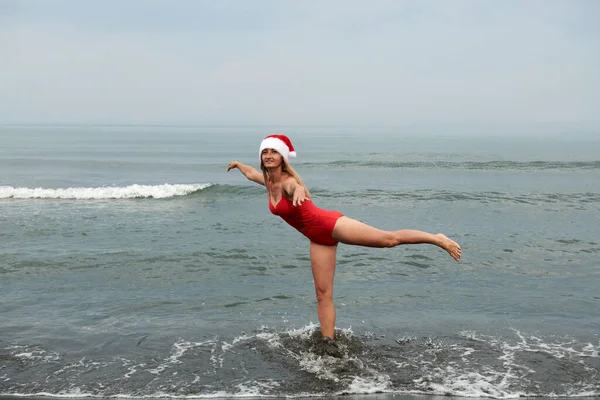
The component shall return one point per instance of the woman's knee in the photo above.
(388, 239)
(323, 293)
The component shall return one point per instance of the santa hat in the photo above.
(281, 143)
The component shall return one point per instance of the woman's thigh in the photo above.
(351, 231)
(322, 260)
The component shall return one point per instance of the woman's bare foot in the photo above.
(450, 246)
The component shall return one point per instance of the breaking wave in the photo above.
(104, 192)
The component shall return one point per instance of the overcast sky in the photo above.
(299, 62)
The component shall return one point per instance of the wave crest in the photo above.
(104, 192)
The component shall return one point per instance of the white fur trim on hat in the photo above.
(278, 145)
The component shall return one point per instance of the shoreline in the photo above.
(375, 396)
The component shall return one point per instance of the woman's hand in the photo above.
(300, 196)
(247, 171)
(232, 165)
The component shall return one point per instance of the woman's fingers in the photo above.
(298, 201)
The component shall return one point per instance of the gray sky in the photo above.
(300, 62)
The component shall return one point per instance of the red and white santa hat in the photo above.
(281, 143)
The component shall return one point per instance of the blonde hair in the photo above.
(286, 168)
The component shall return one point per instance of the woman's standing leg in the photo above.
(322, 259)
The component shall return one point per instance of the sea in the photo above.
(132, 265)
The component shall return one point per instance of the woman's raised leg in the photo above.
(322, 259)
(351, 231)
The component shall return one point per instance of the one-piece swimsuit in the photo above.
(313, 222)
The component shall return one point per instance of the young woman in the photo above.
(289, 198)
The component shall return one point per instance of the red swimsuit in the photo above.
(313, 222)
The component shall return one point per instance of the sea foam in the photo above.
(104, 192)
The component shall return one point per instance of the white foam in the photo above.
(33, 354)
(179, 349)
(256, 388)
(323, 367)
(475, 380)
(104, 192)
(131, 368)
(378, 384)
(467, 377)
(84, 363)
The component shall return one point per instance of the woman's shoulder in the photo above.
(287, 177)
(289, 180)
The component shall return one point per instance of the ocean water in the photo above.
(133, 265)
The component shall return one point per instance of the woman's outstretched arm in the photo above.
(249, 172)
(296, 191)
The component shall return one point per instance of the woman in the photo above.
(289, 198)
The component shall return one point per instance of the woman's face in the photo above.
(271, 158)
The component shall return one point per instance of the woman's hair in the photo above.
(286, 168)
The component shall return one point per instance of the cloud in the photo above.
(273, 62)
